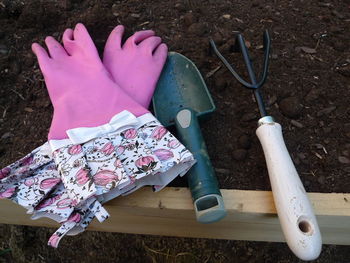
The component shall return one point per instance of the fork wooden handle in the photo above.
(295, 212)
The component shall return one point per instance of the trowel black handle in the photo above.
(202, 181)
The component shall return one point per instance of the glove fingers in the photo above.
(67, 39)
(151, 43)
(78, 42)
(138, 37)
(114, 40)
(55, 49)
(161, 53)
(42, 56)
(83, 40)
(142, 35)
(113, 43)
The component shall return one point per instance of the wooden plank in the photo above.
(251, 216)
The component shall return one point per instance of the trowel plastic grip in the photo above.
(295, 212)
(202, 181)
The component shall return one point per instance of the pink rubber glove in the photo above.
(136, 65)
(83, 95)
(149, 56)
(81, 89)
(172, 161)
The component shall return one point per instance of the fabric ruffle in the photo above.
(75, 180)
(121, 162)
(29, 180)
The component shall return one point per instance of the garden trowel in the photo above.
(180, 99)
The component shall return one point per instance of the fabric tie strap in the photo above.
(121, 121)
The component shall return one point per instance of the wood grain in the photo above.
(251, 216)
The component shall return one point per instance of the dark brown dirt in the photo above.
(307, 92)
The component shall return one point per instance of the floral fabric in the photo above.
(74, 181)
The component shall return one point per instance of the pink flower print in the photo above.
(173, 144)
(132, 180)
(120, 149)
(75, 149)
(53, 241)
(130, 146)
(45, 203)
(82, 176)
(158, 133)
(23, 170)
(108, 148)
(51, 167)
(27, 161)
(130, 134)
(77, 163)
(74, 202)
(4, 172)
(30, 181)
(163, 154)
(91, 149)
(105, 177)
(49, 183)
(64, 203)
(75, 218)
(118, 163)
(48, 202)
(7, 193)
(145, 163)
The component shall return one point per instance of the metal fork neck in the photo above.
(255, 85)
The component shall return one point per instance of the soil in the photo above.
(307, 92)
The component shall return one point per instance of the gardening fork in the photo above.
(295, 212)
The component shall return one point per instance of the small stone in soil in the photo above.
(227, 46)
(135, 15)
(244, 141)
(308, 50)
(272, 100)
(343, 160)
(189, 19)
(312, 95)
(290, 107)
(217, 37)
(28, 109)
(296, 124)
(249, 116)
(197, 29)
(326, 111)
(345, 70)
(28, 60)
(239, 154)
(220, 82)
(302, 156)
(6, 135)
(180, 7)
